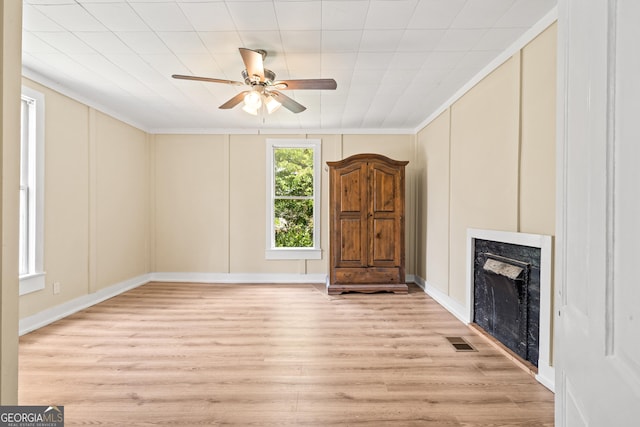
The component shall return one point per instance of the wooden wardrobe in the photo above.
(366, 203)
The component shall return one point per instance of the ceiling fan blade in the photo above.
(207, 79)
(234, 101)
(287, 102)
(322, 84)
(253, 62)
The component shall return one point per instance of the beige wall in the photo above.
(66, 223)
(191, 203)
(247, 205)
(537, 152)
(484, 164)
(488, 162)
(433, 155)
(119, 201)
(97, 185)
(210, 200)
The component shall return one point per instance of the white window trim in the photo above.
(36, 279)
(271, 251)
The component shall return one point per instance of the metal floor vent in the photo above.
(460, 344)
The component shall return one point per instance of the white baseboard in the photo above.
(451, 305)
(58, 312)
(546, 376)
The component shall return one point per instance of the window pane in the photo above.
(293, 223)
(24, 142)
(293, 169)
(23, 255)
(23, 244)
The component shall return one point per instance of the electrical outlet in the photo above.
(56, 288)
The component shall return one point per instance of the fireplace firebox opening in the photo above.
(507, 295)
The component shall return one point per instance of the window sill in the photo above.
(32, 283)
(293, 253)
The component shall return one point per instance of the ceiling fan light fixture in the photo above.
(250, 110)
(253, 100)
(271, 104)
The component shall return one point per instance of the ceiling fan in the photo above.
(264, 88)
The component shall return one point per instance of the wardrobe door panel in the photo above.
(383, 189)
(351, 242)
(384, 242)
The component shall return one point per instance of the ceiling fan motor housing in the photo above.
(269, 77)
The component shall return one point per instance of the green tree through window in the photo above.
(293, 197)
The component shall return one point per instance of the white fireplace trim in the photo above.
(546, 372)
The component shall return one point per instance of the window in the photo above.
(293, 188)
(31, 247)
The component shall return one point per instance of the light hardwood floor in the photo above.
(179, 354)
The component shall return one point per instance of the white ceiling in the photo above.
(395, 61)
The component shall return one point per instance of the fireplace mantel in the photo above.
(546, 374)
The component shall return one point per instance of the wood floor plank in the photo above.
(180, 354)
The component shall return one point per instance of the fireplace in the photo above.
(509, 294)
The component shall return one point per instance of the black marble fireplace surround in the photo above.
(507, 295)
